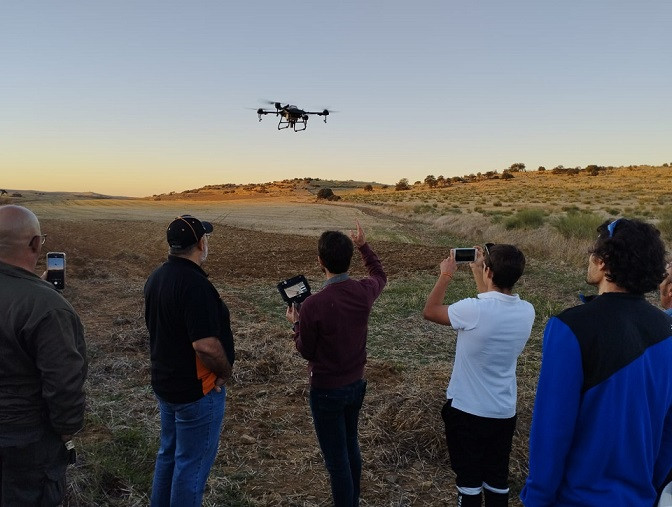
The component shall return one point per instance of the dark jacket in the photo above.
(42, 359)
(333, 325)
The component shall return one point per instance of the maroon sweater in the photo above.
(333, 325)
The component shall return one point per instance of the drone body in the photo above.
(291, 116)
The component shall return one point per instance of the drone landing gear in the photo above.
(285, 124)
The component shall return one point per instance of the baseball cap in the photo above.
(186, 230)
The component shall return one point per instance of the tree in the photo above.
(541, 168)
(402, 184)
(430, 181)
(325, 193)
(518, 166)
(368, 188)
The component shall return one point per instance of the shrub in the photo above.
(525, 219)
(325, 193)
(402, 184)
(576, 224)
(368, 188)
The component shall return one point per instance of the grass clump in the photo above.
(576, 224)
(525, 219)
(665, 223)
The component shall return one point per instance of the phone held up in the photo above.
(56, 269)
(463, 255)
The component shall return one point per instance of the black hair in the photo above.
(335, 249)
(507, 264)
(633, 253)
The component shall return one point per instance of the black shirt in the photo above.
(181, 307)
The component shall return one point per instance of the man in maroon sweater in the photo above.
(330, 332)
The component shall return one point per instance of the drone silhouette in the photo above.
(291, 116)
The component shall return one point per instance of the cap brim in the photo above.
(207, 226)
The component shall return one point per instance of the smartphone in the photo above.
(56, 269)
(464, 254)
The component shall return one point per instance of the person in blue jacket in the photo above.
(602, 424)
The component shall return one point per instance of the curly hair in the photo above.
(633, 253)
(335, 249)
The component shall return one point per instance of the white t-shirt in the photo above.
(492, 330)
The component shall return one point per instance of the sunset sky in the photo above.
(140, 97)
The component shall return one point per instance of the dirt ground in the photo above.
(268, 453)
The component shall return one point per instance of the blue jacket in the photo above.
(602, 425)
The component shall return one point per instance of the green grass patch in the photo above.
(578, 224)
(527, 218)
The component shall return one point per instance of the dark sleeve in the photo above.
(60, 357)
(227, 336)
(377, 279)
(306, 333)
(207, 316)
(201, 307)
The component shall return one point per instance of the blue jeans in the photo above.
(335, 416)
(189, 439)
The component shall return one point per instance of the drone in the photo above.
(291, 116)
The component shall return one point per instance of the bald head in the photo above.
(18, 228)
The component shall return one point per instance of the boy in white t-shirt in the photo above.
(492, 329)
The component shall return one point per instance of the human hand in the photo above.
(292, 314)
(358, 237)
(448, 265)
(478, 263)
(219, 382)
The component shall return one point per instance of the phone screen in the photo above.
(56, 269)
(55, 263)
(465, 254)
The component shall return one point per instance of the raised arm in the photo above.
(434, 309)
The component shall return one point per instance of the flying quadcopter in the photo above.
(291, 116)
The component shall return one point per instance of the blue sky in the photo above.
(137, 97)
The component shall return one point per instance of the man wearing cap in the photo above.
(602, 423)
(192, 354)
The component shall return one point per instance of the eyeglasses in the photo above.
(612, 227)
(43, 238)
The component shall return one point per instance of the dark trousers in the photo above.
(335, 416)
(33, 474)
(479, 449)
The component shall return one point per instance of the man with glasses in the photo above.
(602, 424)
(42, 370)
(480, 412)
(192, 354)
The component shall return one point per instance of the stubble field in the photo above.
(268, 452)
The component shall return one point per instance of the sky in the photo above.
(142, 97)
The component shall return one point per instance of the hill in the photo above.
(297, 188)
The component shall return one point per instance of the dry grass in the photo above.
(268, 452)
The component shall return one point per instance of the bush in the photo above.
(402, 184)
(578, 224)
(325, 193)
(525, 219)
(368, 188)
